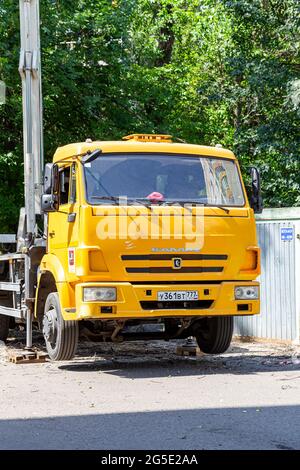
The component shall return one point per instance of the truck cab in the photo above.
(146, 238)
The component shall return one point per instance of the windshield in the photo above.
(164, 178)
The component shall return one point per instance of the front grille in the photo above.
(185, 268)
(188, 269)
(193, 304)
(165, 257)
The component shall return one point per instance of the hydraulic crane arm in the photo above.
(30, 71)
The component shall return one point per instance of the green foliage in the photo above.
(207, 71)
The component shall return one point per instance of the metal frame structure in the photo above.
(30, 71)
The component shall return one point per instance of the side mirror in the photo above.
(49, 203)
(90, 157)
(50, 198)
(255, 195)
(48, 178)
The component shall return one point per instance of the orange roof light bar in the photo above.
(149, 138)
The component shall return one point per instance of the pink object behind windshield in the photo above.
(155, 196)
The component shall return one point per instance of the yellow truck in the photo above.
(112, 265)
(143, 238)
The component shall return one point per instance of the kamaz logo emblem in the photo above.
(177, 263)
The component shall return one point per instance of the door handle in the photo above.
(52, 234)
(72, 217)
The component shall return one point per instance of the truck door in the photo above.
(63, 224)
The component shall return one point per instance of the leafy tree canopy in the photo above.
(207, 71)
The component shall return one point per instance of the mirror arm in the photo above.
(255, 197)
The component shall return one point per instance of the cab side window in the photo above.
(64, 185)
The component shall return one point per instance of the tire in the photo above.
(61, 336)
(214, 335)
(4, 327)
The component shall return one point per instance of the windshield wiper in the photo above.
(199, 203)
(117, 200)
(143, 201)
(106, 198)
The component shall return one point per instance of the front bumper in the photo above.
(137, 301)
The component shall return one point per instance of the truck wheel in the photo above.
(61, 336)
(4, 327)
(214, 335)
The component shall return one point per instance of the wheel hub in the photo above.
(50, 325)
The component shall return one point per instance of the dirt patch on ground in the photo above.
(242, 356)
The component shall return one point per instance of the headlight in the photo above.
(246, 292)
(97, 294)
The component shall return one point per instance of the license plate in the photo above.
(177, 295)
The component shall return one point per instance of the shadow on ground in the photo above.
(225, 428)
